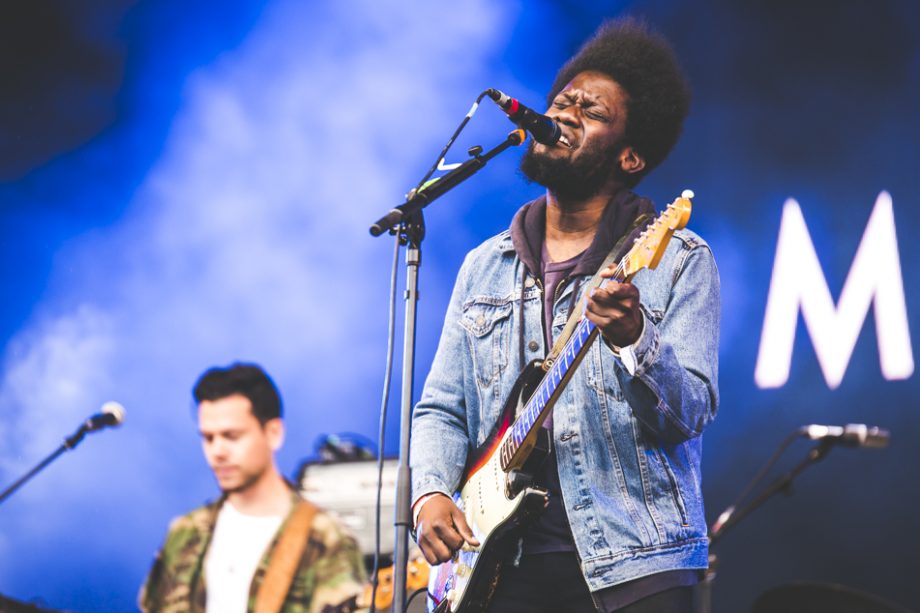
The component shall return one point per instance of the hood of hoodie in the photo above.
(528, 229)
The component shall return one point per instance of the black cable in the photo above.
(730, 510)
(414, 594)
(451, 140)
(387, 378)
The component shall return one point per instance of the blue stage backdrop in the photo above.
(188, 184)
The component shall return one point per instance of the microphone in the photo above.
(850, 435)
(544, 129)
(112, 414)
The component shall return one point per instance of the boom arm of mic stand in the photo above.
(69, 443)
(441, 186)
(731, 516)
(782, 484)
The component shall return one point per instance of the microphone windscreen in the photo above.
(115, 410)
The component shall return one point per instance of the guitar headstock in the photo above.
(648, 248)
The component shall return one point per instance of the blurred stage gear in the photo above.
(349, 489)
(345, 447)
(112, 414)
(8, 605)
(417, 579)
(851, 435)
(821, 598)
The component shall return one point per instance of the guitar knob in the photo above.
(687, 193)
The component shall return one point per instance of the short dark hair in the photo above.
(248, 380)
(644, 65)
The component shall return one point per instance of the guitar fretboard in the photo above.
(645, 253)
(546, 394)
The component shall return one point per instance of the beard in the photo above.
(240, 485)
(241, 478)
(572, 179)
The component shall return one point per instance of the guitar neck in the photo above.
(519, 442)
(646, 252)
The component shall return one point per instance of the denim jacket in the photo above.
(628, 447)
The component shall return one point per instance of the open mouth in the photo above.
(565, 141)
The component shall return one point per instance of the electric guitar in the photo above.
(497, 494)
(416, 579)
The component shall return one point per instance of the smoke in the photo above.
(247, 240)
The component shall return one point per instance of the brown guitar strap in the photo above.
(285, 558)
(575, 315)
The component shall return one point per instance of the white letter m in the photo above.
(874, 277)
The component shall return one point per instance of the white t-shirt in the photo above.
(237, 546)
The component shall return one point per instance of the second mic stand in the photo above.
(732, 516)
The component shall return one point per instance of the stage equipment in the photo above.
(8, 605)
(820, 598)
(851, 435)
(416, 585)
(112, 414)
(349, 489)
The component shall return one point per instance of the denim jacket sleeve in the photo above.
(440, 439)
(674, 390)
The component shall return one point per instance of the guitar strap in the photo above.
(575, 314)
(285, 558)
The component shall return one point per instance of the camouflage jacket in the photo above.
(329, 577)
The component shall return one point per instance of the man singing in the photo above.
(260, 547)
(624, 528)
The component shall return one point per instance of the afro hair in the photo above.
(644, 65)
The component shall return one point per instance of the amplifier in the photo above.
(349, 490)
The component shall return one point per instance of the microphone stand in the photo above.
(69, 443)
(731, 516)
(407, 221)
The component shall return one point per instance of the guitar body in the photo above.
(495, 504)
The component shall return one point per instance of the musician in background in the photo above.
(624, 528)
(260, 542)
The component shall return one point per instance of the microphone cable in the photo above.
(450, 142)
(729, 511)
(384, 402)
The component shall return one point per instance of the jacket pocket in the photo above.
(487, 323)
(674, 486)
